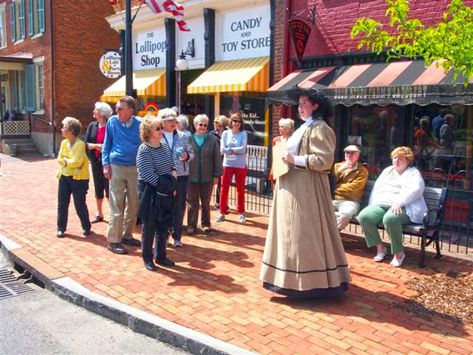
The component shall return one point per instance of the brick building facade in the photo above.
(49, 56)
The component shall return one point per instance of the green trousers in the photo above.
(372, 215)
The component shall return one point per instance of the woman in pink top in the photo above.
(94, 138)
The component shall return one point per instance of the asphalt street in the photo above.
(39, 322)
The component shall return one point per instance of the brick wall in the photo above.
(81, 36)
(37, 47)
(331, 33)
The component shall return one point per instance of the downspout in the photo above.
(53, 77)
(285, 48)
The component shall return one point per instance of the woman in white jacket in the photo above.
(396, 199)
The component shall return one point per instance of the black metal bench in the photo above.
(429, 230)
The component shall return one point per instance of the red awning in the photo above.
(401, 83)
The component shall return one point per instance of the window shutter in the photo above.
(40, 10)
(30, 18)
(30, 88)
(13, 22)
(22, 19)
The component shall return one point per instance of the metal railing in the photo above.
(456, 233)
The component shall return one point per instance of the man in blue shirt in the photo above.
(122, 139)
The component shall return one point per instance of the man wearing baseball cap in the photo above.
(350, 178)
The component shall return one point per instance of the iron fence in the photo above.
(456, 231)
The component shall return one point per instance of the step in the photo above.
(17, 140)
(27, 150)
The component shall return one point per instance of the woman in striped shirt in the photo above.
(154, 159)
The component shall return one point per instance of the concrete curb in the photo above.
(137, 320)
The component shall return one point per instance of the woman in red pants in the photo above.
(233, 147)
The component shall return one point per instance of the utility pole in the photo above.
(128, 51)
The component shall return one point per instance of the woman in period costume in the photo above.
(304, 255)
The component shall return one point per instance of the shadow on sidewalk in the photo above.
(381, 307)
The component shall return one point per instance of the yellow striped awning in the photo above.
(233, 76)
(146, 82)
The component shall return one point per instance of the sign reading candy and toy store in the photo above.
(243, 34)
(149, 49)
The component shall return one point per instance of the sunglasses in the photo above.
(203, 125)
(159, 128)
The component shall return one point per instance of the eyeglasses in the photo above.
(203, 125)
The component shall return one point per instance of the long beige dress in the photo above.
(304, 255)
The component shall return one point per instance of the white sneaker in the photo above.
(177, 244)
(380, 256)
(220, 218)
(397, 262)
(242, 219)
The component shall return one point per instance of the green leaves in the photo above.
(450, 42)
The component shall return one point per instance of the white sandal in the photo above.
(397, 262)
(380, 256)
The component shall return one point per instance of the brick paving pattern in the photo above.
(214, 287)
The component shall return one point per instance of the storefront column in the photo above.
(217, 104)
(170, 27)
(210, 106)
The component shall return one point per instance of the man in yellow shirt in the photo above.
(350, 178)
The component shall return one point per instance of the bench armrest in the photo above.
(432, 219)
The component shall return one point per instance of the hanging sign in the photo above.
(110, 64)
(300, 32)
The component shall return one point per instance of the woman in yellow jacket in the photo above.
(73, 176)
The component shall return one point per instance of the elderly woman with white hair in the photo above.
(286, 128)
(94, 138)
(73, 177)
(182, 125)
(182, 153)
(205, 171)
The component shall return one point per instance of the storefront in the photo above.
(149, 70)
(239, 78)
(384, 105)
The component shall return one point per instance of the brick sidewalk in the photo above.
(214, 289)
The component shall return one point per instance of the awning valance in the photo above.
(233, 76)
(146, 82)
(401, 83)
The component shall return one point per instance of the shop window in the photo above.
(3, 31)
(17, 20)
(35, 17)
(378, 130)
(443, 145)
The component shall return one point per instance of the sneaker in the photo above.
(177, 244)
(206, 229)
(220, 218)
(190, 230)
(60, 234)
(242, 219)
(397, 262)
(380, 256)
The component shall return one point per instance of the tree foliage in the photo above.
(450, 42)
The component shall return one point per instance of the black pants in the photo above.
(180, 206)
(100, 182)
(78, 189)
(149, 230)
